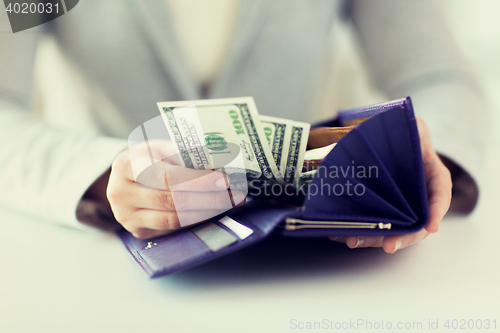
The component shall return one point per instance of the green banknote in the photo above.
(296, 150)
(221, 134)
(288, 141)
(278, 132)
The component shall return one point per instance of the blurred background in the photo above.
(57, 278)
(474, 23)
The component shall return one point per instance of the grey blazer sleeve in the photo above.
(44, 171)
(410, 51)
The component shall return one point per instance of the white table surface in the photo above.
(55, 279)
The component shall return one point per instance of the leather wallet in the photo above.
(370, 184)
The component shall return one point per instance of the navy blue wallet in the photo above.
(371, 183)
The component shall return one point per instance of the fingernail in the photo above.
(359, 242)
(223, 182)
(334, 238)
(398, 245)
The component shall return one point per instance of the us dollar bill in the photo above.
(296, 150)
(288, 141)
(278, 132)
(221, 134)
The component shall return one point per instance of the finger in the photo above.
(425, 139)
(163, 176)
(119, 192)
(394, 243)
(128, 196)
(163, 150)
(162, 220)
(142, 154)
(338, 239)
(439, 186)
(438, 180)
(358, 242)
(184, 201)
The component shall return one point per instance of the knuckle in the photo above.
(166, 200)
(172, 221)
(158, 176)
(122, 165)
(125, 217)
(119, 217)
(168, 175)
(164, 221)
(112, 194)
(122, 160)
(150, 176)
(122, 216)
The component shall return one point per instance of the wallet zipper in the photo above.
(295, 224)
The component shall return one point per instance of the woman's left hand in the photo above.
(439, 186)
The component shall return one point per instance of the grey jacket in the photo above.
(126, 49)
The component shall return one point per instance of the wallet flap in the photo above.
(202, 243)
(373, 172)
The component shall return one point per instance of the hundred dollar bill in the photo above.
(278, 132)
(296, 150)
(217, 133)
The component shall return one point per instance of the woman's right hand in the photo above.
(150, 200)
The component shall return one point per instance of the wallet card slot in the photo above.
(398, 198)
(239, 230)
(375, 206)
(397, 214)
(214, 236)
(395, 146)
(356, 147)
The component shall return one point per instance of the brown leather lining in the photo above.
(354, 122)
(310, 165)
(324, 136)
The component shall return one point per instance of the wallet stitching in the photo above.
(377, 107)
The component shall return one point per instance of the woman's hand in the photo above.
(439, 186)
(151, 200)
